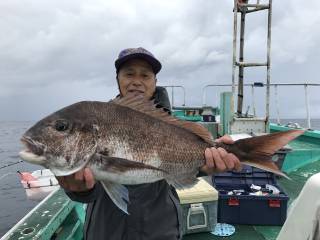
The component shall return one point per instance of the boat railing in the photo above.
(172, 87)
(306, 87)
(275, 85)
(253, 85)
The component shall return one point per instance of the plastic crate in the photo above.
(246, 208)
(199, 208)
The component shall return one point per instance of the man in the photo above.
(153, 207)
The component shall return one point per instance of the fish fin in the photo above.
(268, 144)
(116, 164)
(118, 193)
(184, 181)
(148, 107)
(267, 166)
(258, 151)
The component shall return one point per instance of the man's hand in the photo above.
(218, 160)
(80, 181)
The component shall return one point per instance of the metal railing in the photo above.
(172, 87)
(275, 85)
(305, 85)
(253, 85)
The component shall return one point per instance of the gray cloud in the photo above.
(55, 53)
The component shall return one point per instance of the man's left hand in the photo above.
(218, 160)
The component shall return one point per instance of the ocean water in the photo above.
(315, 123)
(13, 201)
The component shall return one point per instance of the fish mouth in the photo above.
(32, 146)
(34, 151)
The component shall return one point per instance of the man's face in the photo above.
(137, 77)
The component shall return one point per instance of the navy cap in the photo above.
(131, 53)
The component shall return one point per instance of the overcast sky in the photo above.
(54, 53)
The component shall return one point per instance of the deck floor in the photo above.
(245, 232)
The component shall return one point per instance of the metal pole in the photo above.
(269, 64)
(277, 103)
(241, 68)
(243, 64)
(253, 101)
(258, 9)
(204, 95)
(235, 16)
(252, 5)
(184, 97)
(172, 96)
(307, 105)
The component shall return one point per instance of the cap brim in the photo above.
(155, 64)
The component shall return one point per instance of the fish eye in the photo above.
(61, 125)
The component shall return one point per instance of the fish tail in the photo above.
(258, 151)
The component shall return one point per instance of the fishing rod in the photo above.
(10, 164)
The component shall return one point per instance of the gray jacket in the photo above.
(154, 208)
(153, 213)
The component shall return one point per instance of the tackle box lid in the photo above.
(239, 180)
(201, 192)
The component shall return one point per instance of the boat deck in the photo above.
(291, 187)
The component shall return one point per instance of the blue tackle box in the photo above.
(240, 204)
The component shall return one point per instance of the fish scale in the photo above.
(147, 135)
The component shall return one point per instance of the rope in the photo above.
(10, 164)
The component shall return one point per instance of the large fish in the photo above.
(130, 141)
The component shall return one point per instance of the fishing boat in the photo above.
(38, 184)
(57, 217)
